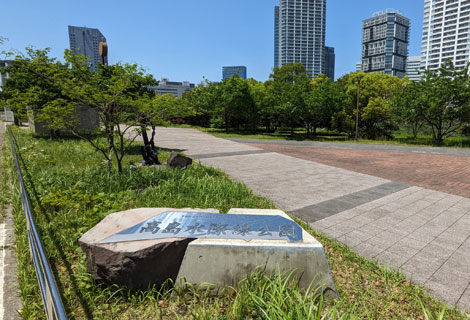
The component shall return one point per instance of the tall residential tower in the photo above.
(385, 39)
(299, 34)
(86, 41)
(446, 33)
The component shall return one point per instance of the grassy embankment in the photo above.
(72, 190)
(399, 138)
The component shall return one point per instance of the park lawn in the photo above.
(72, 190)
(399, 138)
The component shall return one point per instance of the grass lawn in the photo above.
(400, 138)
(72, 190)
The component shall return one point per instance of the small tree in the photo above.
(322, 101)
(407, 107)
(156, 111)
(288, 86)
(32, 90)
(445, 100)
(264, 103)
(114, 93)
(376, 94)
(235, 104)
(202, 100)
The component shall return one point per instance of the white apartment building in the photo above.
(299, 34)
(413, 65)
(175, 88)
(446, 33)
(358, 66)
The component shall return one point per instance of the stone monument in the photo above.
(143, 247)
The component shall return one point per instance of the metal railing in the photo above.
(49, 292)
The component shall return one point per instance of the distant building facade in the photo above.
(385, 39)
(276, 37)
(228, 72)
(299, 34)
(446, 33)
(358, 66)
(4, 76)
(86, 41)
(175, 88)
(413, 65)
(330, 63)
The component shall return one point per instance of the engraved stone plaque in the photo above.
(211, 226)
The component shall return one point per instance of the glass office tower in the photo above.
(385, 39)
(228, 72)
(86, 41)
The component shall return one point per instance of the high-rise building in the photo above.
(330, 62)
(385, 39)
(228, 72)
(446, 33)
(299, 34)
(412, 68)
(276, 37)
(86, 41)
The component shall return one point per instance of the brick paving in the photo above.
(408, 210)
(445, 173)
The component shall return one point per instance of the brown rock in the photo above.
(133, 264)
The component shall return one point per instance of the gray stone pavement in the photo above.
(424, 233)
(360, 146)
(10, 301)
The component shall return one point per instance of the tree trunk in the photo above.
(152, 139)
(439, 136)
(118, 160)
(149, 153)
(143, 127)
(414, 128)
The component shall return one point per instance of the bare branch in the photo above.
(103, 151)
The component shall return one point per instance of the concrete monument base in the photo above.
(226, 262)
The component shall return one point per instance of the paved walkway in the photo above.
(10, 301)
(358, 146)
(445, 170)
(424, 232)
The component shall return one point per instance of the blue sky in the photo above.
(189, 40)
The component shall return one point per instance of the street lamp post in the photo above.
(357, 105)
